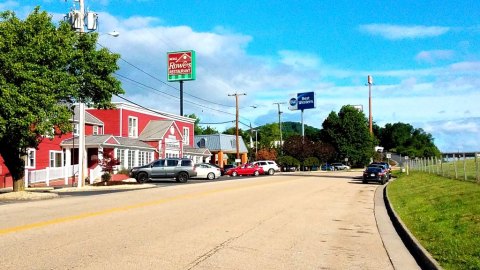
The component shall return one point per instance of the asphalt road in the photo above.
(294, 221)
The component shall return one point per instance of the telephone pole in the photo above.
(280, 121)
(236, 120)
(370, 82)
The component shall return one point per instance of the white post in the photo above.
(47, 179)
(81, 146)
(68, 163)
(25, 178)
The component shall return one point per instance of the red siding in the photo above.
(110, 119)
(5, 178)
(143, 120)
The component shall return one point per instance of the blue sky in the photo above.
(424, 57)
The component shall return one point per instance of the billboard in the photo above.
(302, 101)
(181, 66)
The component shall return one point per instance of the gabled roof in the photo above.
(106, 140)
(196, 151)
(170, 116)
(156, 130)
(221, 142)
(89, 118)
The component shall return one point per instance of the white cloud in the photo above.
(9, 5)
(432, 56)
(395, 32)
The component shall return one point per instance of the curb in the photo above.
(419, 253)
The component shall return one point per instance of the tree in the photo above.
(348, 132)
(298, 147)
(196, 128)
(266, 154)
(44, 68)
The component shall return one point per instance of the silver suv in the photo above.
(269, 166)
(180, 169)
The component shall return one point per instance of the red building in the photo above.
(132, 134)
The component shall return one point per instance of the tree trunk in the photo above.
(19, 184)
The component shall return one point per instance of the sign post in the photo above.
(181, 67)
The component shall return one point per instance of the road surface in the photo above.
(289, 221)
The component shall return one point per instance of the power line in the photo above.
(170, 95)
(166, 84)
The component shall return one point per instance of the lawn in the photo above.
(468, 169)
(443, 214)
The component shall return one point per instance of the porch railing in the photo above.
(48, 174)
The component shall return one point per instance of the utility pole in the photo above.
(236, 120)
(280, 121)
(370, 82)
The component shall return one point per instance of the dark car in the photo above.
(375, 173)
(384, 165)
(179, 168)
(327, 167)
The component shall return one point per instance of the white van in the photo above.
(269, 166)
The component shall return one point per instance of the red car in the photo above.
(245, 169)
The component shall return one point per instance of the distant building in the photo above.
(220, 145)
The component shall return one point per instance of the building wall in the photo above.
(110, 119)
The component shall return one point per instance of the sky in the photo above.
(424, 57)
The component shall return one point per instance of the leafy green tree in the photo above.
(267, 135)
(348, 133)
(288, 161)
(196, 128)
(311, 162)
(44, 68)
(209, 131)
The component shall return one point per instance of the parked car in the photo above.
(227, 167)
(207, 171)
(327, 167)
(180, 169)
(375, 173)
(269, 166)
(246, 169)
(340, 166)
(384, 165)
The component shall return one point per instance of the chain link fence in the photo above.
(461, 166)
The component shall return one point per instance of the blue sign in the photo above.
(305, 100)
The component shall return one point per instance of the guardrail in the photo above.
(462, 166)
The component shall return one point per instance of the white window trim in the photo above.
(76, 129)
(30, 150)
(95, 130)
(186, 136)
(134, 132)
(50, 158)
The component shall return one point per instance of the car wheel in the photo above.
(256, 173)
(271, 172)
(365, 181)
(210, 176)
(234, 174)
(383, 180)
(142, 177)
(182, 177)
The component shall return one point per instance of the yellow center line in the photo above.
(128, 207)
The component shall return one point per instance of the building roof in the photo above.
(156, 130)
(221, 142)
(196, 151)
(107, 140)
(130, 106)
(89, 118)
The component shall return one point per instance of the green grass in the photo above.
(443, 214)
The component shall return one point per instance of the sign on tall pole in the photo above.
(181, 67)
(370, 124)
(301, 102)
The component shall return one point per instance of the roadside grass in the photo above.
(443, 214)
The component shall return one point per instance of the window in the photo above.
(56, 159)
(202, 143)
(131, 158)
(95, 130)
(172, 162)
(186, 136)
(143, 158)
(132, 127)
(159, 163)
(75, 129)
(121, 157)
(30, 158)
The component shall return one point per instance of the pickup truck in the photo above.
(179, 168)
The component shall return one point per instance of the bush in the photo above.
(288, 162)
(123, 171)
(106, 177)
